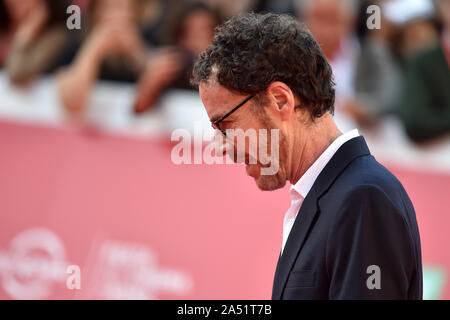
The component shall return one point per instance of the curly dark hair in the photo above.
(250, 51)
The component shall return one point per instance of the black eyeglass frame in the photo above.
(215, 124)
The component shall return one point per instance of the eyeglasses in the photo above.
(216, 123)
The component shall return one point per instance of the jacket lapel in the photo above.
(293, 244)
(350, 150)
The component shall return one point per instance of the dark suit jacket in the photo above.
(356, 215)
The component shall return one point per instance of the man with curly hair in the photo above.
(351, 230)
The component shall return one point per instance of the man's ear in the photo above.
(282, 99)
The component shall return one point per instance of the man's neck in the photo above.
(308, 147)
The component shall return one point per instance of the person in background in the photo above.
(153, 16)
(170, 67)
(378, 77)
(425, 104)
(366, 74)
(39, 36)
(230, 8)
(415, 24)
(112, 49)
(157, 17)
(333, 22)
(12, 15)
(417, 35)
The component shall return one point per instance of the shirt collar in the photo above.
(305, 183)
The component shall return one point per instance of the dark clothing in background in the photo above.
(183, 80)
(378, 78)
(425, 105)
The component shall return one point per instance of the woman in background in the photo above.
(33, 36)
(113, 48)
(425, 103)
(190, 32)
(12, 14)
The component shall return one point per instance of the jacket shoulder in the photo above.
(365, 172)
(365, 175)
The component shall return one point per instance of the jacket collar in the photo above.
(306, 181)
(349, 151)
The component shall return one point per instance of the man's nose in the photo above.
(224, 147)
(227, 149)
(220, 147)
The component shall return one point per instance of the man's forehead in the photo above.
(216, 98)
(212, 91)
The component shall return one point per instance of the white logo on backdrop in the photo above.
(35, 260)
(130, 271)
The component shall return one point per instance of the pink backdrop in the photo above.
(139, 226)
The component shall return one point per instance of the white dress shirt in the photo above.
(299, 191)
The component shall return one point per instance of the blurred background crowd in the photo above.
(401, 69)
